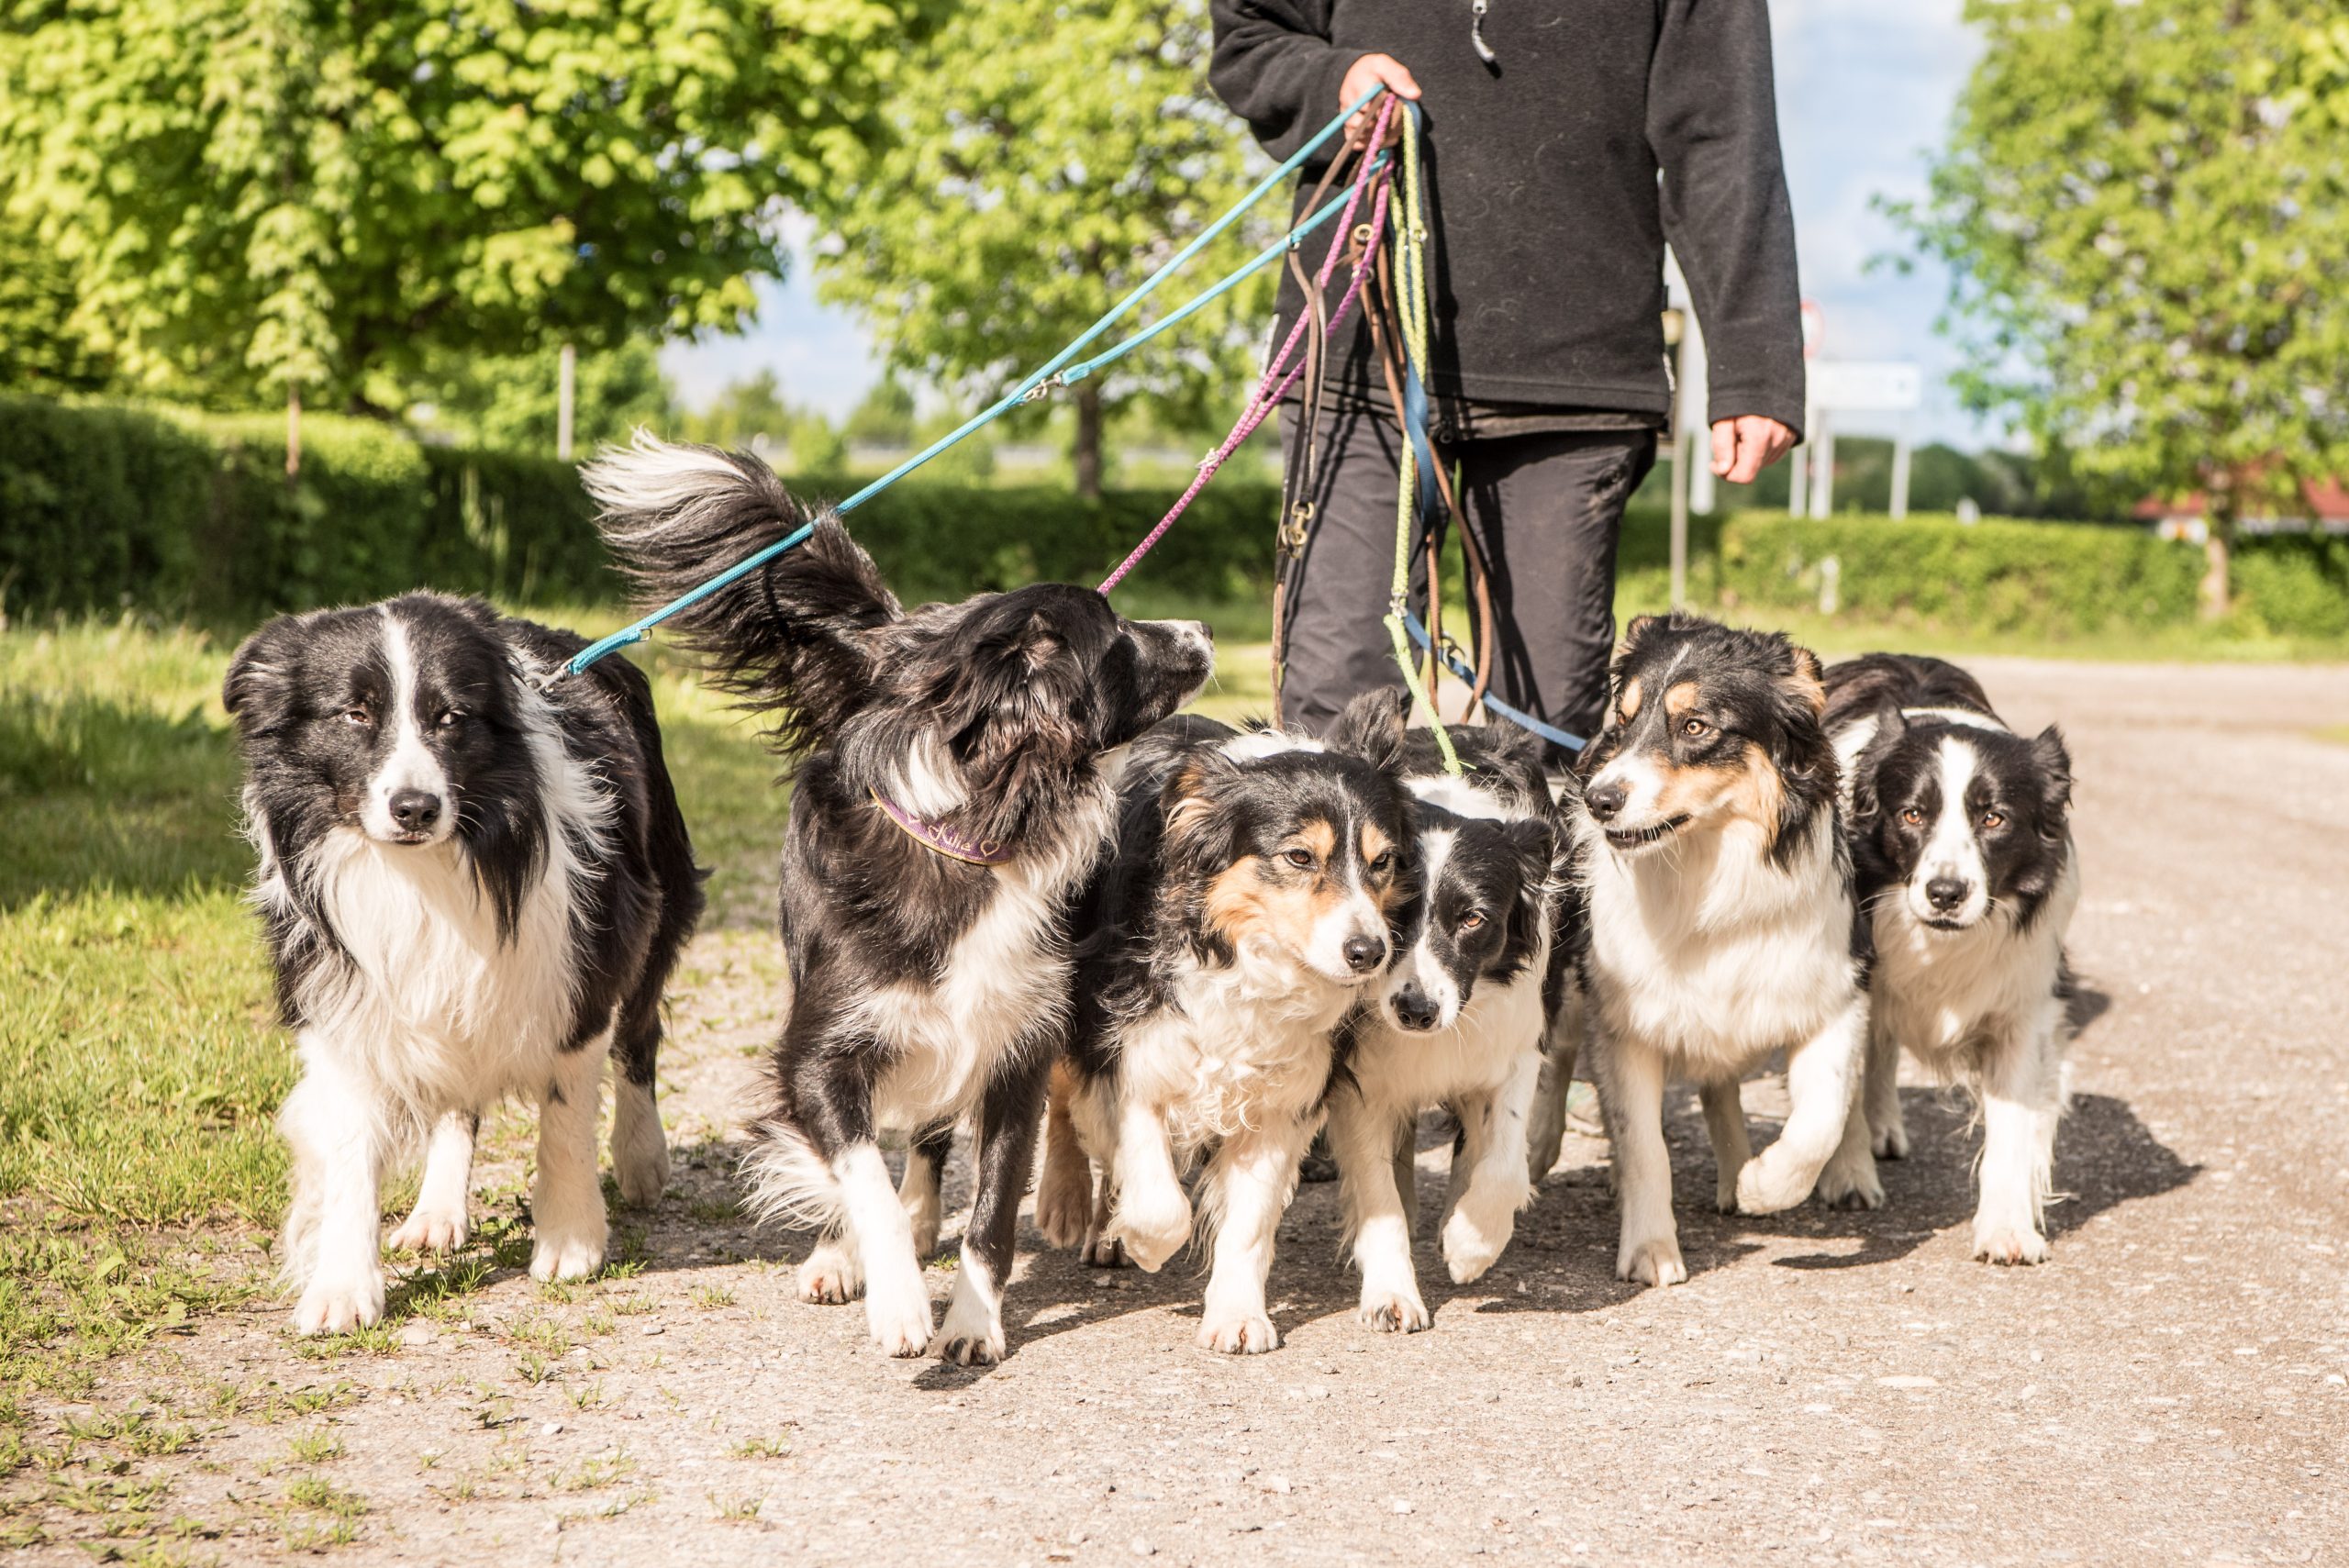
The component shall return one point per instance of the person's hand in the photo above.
(1374, 71)
(1746, 445)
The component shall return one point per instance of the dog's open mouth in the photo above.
(1641, 838)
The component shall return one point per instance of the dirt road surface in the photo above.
(1827, 1387)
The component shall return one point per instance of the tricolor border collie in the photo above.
(1721, 923)
(950, 799)
(1242, 920)
(1961, 833)
(473, 881)
(1460, 1020)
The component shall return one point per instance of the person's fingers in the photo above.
(1398, 79)
(1724, 447)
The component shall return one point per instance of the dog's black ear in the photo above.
(1635, 631)
(1200, 833)
(1891, 728)
(1534, 842)
(259, 689)
(2054, 761)
(1371, 728)
(1809, 678)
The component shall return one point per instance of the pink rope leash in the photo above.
(1282, 375)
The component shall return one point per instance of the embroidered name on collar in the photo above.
(942, 838)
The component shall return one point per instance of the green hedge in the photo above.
(2047, 580)
(103, 505)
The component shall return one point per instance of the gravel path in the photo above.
(1826, 1388)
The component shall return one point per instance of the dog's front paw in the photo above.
(2009, 1243)
(830, 1276)
(1100, 1251)
(1152, 1235)
(1238, 1333)
(1395, 1309)
(565, 1255)
(339, 1306)
(430, 1230)
(968, 1338)
(1772, 1187)
(1889, 1140)
(1471, 1246)
(639, 1150)
(1655, 1262)
(1064, 1203)
(898, 1317)
(1852, 1186)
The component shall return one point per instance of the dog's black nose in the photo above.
(415, 811)
(1414, 1009)
(1605, 800)
(1364, 953)
(1947, 893)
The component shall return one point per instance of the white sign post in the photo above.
(1862, 387)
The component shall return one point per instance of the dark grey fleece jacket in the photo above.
(1549, 218)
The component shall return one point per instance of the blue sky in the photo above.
(1865, 90)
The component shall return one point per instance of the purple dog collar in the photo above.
(945, 840)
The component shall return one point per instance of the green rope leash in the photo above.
(1411, 306)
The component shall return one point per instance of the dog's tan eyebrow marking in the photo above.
(1375, 841)
(1679, 697)
(1321, 836)
(1629, 701)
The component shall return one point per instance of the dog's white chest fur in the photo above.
(1713, 955)
(1479, 1049)
(1240, 1045)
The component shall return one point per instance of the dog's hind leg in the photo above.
(1545, 1127)
(1486, 1217)
(1822, 1086)
(567, 1196)
(921, 1189)
(1064, 1197)
(1248, 1183)
(1724, 1106)
(330, 1249)
(971, 1333)
(438, 1223)
(1366, 1146)
(833, 1089)
(1888, 1133)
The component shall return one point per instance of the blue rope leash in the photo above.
(1518, 716)
(1036, 383)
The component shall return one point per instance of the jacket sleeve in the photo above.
(1274, 67)
(1713, 126)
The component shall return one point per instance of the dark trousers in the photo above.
(1546, 510)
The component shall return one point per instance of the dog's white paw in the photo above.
(1855, 1185)
(430, 1230)
(1889, 1140)
(969, 1336)
(339, 1306)
(1395, 1309)
(2009, 1243)
(1153, 1234)
(1655, 1262)
(1238, 1333)
(559, 1255)
(1772, 1187)
(1472, 1244)
(897, 1317)
(830, 1276)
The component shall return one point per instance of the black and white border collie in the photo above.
(1961, 833)
(1721, 923)
(951, 800)
(1244, 917)
(475, 882)
(1460, 1020)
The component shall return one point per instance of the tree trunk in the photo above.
(293, 430)
(1087, 449)
(2217, 593)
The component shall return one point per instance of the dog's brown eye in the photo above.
(1914, 817)
(1472, 920)
(355, 715)
(450, 719)
(1694, 727)
(1382, 859)
(1301, 859)
(1993, 819)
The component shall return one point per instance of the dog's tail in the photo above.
(791, 638)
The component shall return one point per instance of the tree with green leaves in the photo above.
(510, 403)
(271, 196)
(1063, 151)
(2146, 207)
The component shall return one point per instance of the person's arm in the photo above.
(1274, 67)
(1713, 126)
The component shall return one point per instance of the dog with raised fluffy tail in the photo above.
(1961, 834)
(473, 881)
(1721, 924)
(950, 798)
